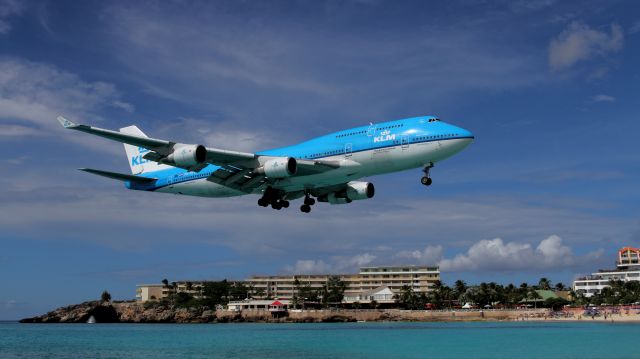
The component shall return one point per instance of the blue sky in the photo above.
(549, 187)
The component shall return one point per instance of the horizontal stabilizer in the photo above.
(119, 176)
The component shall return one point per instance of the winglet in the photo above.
(66, 123)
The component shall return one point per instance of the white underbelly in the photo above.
(201, 187)
(370, 163)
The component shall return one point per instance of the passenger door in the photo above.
(348, 148)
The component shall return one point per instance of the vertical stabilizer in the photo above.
(135, 154)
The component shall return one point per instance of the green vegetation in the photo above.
(489, 295)
(333, 291)
(483, 295)
(106, 296)
(618, 292)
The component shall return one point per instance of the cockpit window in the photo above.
(434, 120)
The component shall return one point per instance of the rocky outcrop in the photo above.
(132, 312)
(78, 313)
(126, 312)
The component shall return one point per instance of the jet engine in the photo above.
(279, 167)
(188, 155)
(357, 190)
(354, 191)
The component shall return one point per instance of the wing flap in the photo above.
(221, 157)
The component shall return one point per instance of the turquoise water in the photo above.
(340, 340)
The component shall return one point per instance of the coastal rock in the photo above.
(79, 313)
(124, 312)
(158, 312)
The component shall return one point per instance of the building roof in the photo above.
(544, 295)
(383, 289)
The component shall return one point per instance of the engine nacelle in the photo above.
(357, 190)
(279, 167)
(354, 191)
(188, 155)
(333, 198)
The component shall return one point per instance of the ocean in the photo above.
(331, 340)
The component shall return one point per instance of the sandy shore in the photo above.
(579, 316)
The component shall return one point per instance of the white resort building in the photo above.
(371, 283)
(627, 269)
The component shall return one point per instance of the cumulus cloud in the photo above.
(9, 8)
(495, 255)
(603, 98)
(429, 255)
(337, 264)
(579, 42)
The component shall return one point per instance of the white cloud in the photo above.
(603, 98)
(310, 75)
(635, 28)
(220, 133)
(336, 265)
(430, 255)
(9, 8)
(125, 106)
(579, 42)
(35, 93)
(497, 256)
(310, 266)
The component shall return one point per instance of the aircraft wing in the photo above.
(160, 146)
(237, 170)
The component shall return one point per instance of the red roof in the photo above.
(277, 303)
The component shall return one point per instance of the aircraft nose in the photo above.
(466, 134)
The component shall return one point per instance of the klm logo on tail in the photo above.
(139, 159)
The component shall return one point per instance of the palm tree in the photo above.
(106, 296)
(165, 282)
(460, 287)
(544, 283)
(560, 286)
(533, 295)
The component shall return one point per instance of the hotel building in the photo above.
(627, 269)
(358, 286)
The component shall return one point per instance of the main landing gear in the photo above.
(426, 180)
(272, 197)
(308, 202)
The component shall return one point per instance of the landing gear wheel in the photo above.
(426, 180)
(285, 204)
(263, 202)
(276, 205)
(309, 201)
(305, 208)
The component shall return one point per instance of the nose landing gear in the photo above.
(426, 180)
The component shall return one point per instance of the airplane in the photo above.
(326, 168)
